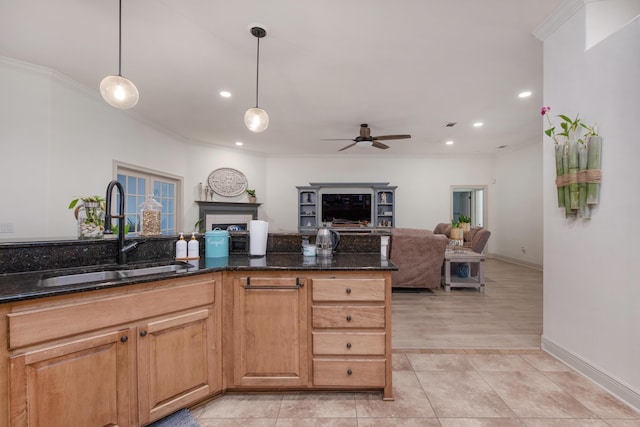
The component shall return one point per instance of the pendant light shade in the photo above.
(256, 119)
(118, 91)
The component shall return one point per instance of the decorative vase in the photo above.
(456, 234)
(465, 226)
(252, 199)
(90, 221)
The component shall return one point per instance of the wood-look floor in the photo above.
(508, 315)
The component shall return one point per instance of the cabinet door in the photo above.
(270, 332)
(82, 383)
(178, 363)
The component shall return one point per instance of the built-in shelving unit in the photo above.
(383, 204)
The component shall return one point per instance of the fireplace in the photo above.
(233, 217)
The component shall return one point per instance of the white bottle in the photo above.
(181, 247)
(193, 248)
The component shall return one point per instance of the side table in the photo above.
(463, 282)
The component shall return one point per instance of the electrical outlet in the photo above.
(523, 250)
(7, 227)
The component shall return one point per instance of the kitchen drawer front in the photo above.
(349, 372)
(348, 316)
(349, 343)
(348, 289)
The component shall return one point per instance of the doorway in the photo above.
(469, 200)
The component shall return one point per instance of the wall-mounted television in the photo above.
(346, 208)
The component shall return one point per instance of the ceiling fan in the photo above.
(365, 139)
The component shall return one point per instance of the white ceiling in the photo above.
(405, 66)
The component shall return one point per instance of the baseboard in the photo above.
(621, 391)
(516, 261)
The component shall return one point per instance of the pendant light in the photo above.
(116, 90)
(256, 119)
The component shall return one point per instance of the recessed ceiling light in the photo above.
(239, 143)
(477, 124)
(525, 94)
(225, 94)
(449, 142)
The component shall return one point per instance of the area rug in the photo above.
(182, 418)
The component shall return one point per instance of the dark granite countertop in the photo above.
(26, 285)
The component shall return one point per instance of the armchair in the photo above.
(419, 255)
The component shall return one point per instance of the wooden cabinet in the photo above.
(270, 334)
(86, 382)
(351, 332)
(120, 357)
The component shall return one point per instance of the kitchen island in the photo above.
(130, 351)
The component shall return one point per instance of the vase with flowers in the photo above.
(577, 164)
(89, 212)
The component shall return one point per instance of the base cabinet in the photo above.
(154, 350)
(82, 383)
(269, 332)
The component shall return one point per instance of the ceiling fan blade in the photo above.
(338, 139)
(379, 145)
(348, 146)
(386, 137)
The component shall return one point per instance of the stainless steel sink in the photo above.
(74, 279)
(111, 275)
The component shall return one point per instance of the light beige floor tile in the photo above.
(462, 394)
(439, 362)
(243, 406)
(532, 395)
(318, 405)
(237, 422)
(400, 362)
(410, 400)
(555, 422)
(480, 422)
(499, 362)
(317, 422)
(398, 422)
(545, 362)
(623, 423)
(591, 395)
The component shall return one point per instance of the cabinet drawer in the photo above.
(348, 316)
(355, 343)
(348, 289)
(349, 373)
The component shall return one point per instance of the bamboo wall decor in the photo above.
(578, 173)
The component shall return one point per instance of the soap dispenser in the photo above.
(193, 248)
(181, 247)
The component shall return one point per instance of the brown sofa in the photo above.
(419, 255)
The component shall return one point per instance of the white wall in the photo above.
(591, 291)
(422, 198)
(516, 233)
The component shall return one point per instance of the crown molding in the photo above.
(559, 16)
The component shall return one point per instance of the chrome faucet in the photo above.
(122, 249)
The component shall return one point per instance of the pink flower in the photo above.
(544, 110)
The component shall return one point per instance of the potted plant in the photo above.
(89, 212)
(252, 195)
(465, 223)
(456, 232)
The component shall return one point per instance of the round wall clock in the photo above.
(227, 182)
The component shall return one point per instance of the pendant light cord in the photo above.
(120, 40)
(257, 70)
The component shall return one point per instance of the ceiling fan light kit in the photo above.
(256, 119)
(118, 91)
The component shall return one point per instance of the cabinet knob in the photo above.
(124, 338)
(349, 372)
(348, 318)
(348, 290)
(348, 345)
(143, 333)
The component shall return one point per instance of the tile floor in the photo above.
(448, 388)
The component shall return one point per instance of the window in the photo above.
(138, 183)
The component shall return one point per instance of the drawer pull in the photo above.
(124, 338)
(349, 372)
(299, 284)
(143, 333)
(348, 290)
(348, 318)
(348, 345)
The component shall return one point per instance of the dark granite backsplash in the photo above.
(51, 255)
